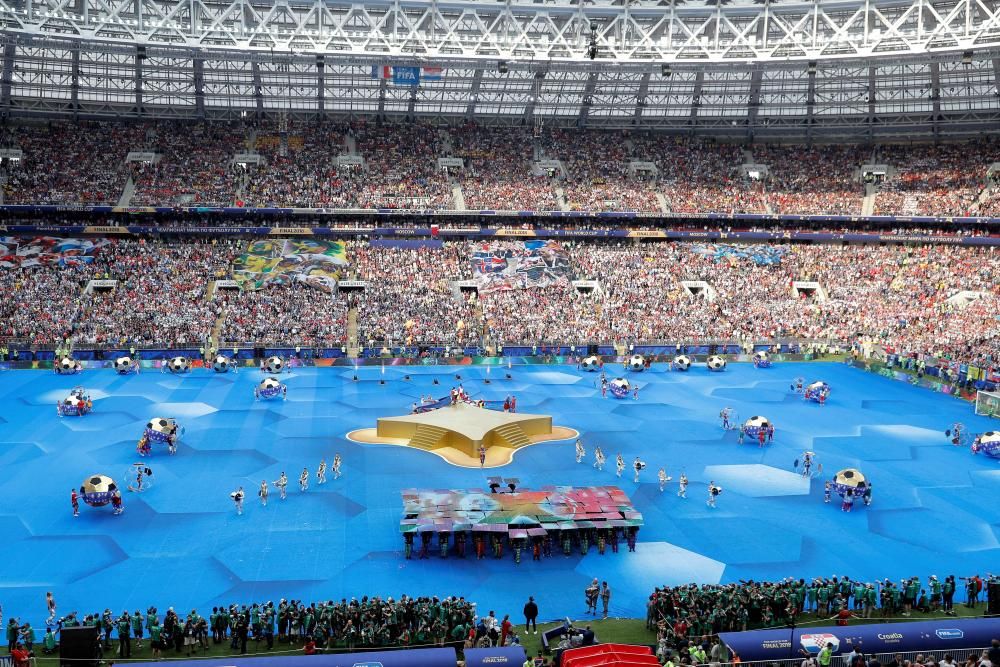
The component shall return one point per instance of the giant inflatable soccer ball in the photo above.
(988, 443)
(817, 389)
(274, 364)
(636, 363)
(849, 478)
(716, 363)
(619, 387)
(591, 364)
(681, 362)
(161, 429)
(97, 490)
(755, 425)
(221, 364)
(123, 365)
(762, 359)
(179, 365)
(269, 388)
(68, 366)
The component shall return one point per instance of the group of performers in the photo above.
(483, 542)
(77, 404)
(281, 484)
(159, 430)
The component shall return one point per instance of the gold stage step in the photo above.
(427, 437)
(513, 435)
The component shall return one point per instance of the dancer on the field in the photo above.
(482, 455)
(116, 503)
(724, 416)
(807, 462)
(713, 493)
(238, 500)
(663, 478)
(75, 502)
(282, 484)
(637, 465)
(262, 492)
(336, 466)
(826, 492)
(321, 472)
(580, 451)
(599, 459)
(682, 483)
(619, 464)
(304, 480)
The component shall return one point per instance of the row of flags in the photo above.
(406, 76)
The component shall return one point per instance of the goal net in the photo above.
(988, 403)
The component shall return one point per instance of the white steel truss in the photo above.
(624, 31)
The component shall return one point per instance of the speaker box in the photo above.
(993, 598)
(78, 647)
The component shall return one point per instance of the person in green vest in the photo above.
(936, 589)
(698, 654)
(948, 595)
(823, 598)
(811, 594)
(28, 636)
(12, 632)
(124, 627)
(825, 656)
(154, 637)
(912, 588)
(49, 642)
(137, 629)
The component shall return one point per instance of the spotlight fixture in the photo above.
(592, 51)
(967, 57)
(666, 71)
(502, 67)
(593, 26)
(811, 67)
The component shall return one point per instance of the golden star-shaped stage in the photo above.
(456, 432)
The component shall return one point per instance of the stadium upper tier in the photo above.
(934, 299)
(420, 166)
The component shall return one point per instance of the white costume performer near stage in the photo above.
(620, 464)
(683, 484)
(580, 451)
(663, 478)
(262, 492)
(336, 466)
(304, 480)
(321, 472)
(237, 497)
(282, 485)
(599, 459)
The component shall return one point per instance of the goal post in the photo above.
(988, 403)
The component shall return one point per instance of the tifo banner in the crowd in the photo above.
(47, 251)
(316, 263)
(761, 255)
(505, 265)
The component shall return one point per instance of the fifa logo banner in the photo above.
(282, 262)
(508, 265)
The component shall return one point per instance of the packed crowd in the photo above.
(598, 178)
(194, 166)
(85, 163)
(818, 180)
(897, 297)
(943, 179)
(65, 163)
(497, 170)
(284, 314)
(410, 298)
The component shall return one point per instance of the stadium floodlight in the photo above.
(593, 26)
(967, 57)
(665, 70)
(502, 67)
(811, 67)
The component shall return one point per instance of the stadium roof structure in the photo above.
(783, 68)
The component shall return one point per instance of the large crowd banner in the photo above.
(507, 265)
(316, 263)
(762, 255)
(47, 251)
